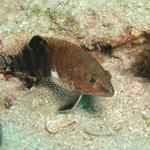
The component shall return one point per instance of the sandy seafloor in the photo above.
(121, 122)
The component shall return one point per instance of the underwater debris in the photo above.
(137, 87)
(65, 21)
(121, 40)
(8, 101)
(105, 48)
(128, 55)
(134, 35)
(58, 123)
(7, 77)
(143, 67)
(90, 134)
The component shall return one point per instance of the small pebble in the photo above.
(7, 77)
(58, 123)
(120, 41)
(136, 87)
(8, 101)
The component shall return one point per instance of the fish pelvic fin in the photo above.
(72, 104)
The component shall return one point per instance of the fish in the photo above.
(60, 65)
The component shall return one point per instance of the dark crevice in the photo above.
(143, 68)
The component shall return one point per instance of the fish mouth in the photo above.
(106, 93)
(111, 92)
(103, 91)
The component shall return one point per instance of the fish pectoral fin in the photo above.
(72, 104)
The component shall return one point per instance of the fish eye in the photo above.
(92, 80)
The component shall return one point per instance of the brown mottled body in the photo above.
(76, 66)
(44, 58)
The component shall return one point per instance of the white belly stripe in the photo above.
(54, 74)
